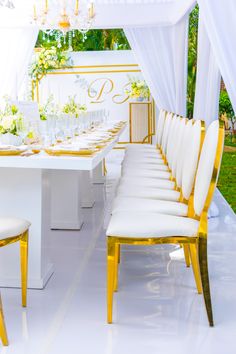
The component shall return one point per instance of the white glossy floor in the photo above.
(156, 309)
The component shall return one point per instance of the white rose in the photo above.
(7, 122)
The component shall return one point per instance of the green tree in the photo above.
(192, 59)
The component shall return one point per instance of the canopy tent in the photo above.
(152, 27)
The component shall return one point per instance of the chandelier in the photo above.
(70, 15)
(7, 3)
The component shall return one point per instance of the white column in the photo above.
(25, 193)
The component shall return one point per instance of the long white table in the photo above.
(30, 187)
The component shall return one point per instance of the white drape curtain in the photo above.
(206, 104)
(16, 51)
(219, 20)
(161, 53)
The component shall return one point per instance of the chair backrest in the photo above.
(177, 147)
(208, 167)
(166, 131)
(186, 138)
(171, 139)
(160, 125)
(191, 158)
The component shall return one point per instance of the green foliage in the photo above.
(114, 39)
(226, 183)
(225, 105)
(192, 59)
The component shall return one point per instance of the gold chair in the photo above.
(139, 228)
(14, 230)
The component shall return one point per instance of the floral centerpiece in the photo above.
(138, 89)
(11, 125)
(47, 60)
(73, 108)
(49, 108)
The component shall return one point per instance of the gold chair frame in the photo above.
(23, 239)
(196, 247)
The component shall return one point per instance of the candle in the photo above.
(46, 7)
(35, 13)
(91, 10)
(76, 7)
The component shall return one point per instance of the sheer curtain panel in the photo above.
(206, 104)
(17, 48)
(219, 20)
(161, 52)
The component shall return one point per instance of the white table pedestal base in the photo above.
(25, 193)
(66, 211)
(98, 174)
(87, 189)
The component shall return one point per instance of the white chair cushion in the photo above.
(147, 182)
(144, 153)
(10, 227)
(148, 192)
(138, 147)
(141, 160)
(149, 205)
(147, 173)
(150, 225)
(145, 166)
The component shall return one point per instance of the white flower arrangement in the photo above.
(11, 120)
(137, 89)
(46, 60)
(73, 108)
(49, 108)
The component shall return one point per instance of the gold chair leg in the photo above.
(24, 266)
(186, 255)
(195, 266)
(119, 248)
(202, 255)
(116, 266)
(3, 331)
(104, 167)
(110, 276)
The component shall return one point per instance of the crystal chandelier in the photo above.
(7, 3)
(71, 15)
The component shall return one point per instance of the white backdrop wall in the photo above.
(98, 79)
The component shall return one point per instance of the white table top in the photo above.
(45, 161)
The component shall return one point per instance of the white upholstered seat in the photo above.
(130, 204)
(147, 173)
(138, 147)
(151, 193)
(143, 160)
(147, 182)
(149, 225)
(145, 166)
(10, 227)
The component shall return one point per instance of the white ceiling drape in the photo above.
(219, 20)
(206, 104)
(162, 55)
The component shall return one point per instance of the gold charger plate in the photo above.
(71, 152)
(11, 152)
